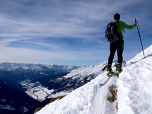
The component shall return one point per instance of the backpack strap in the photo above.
(124, 30)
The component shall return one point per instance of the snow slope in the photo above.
(135, 85)
(134, 92)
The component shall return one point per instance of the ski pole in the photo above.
(140, 39)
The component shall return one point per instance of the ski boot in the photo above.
(109, 70)
(118, 68)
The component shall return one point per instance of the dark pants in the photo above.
(119, 46)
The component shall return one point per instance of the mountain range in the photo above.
(25, 87)
(25, 71)
(14, 97)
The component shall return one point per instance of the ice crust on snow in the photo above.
(134, 91)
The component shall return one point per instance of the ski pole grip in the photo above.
(135, 20)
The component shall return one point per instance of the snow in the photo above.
(40, 93)
(134, 95)
(36, 67)
(85, 71)
(3, 100)
(36, 90)
(23, 109)
(6, 107)
(136, 80)
(62, 93)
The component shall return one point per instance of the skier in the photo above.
(118, 45)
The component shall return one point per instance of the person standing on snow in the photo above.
(118, 45)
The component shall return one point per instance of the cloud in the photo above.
(31, 22)
(58, 19)
(37, 56)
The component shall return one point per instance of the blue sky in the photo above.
(69, 32)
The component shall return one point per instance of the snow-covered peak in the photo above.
(86, 71)
(134, 95)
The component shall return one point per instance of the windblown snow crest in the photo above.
(134, 94)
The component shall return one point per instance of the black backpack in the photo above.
(111, 33)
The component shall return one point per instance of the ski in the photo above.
(109, 76)
(113, 74)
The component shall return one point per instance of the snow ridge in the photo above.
(134, 92)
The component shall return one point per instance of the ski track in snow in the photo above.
(134, 92)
